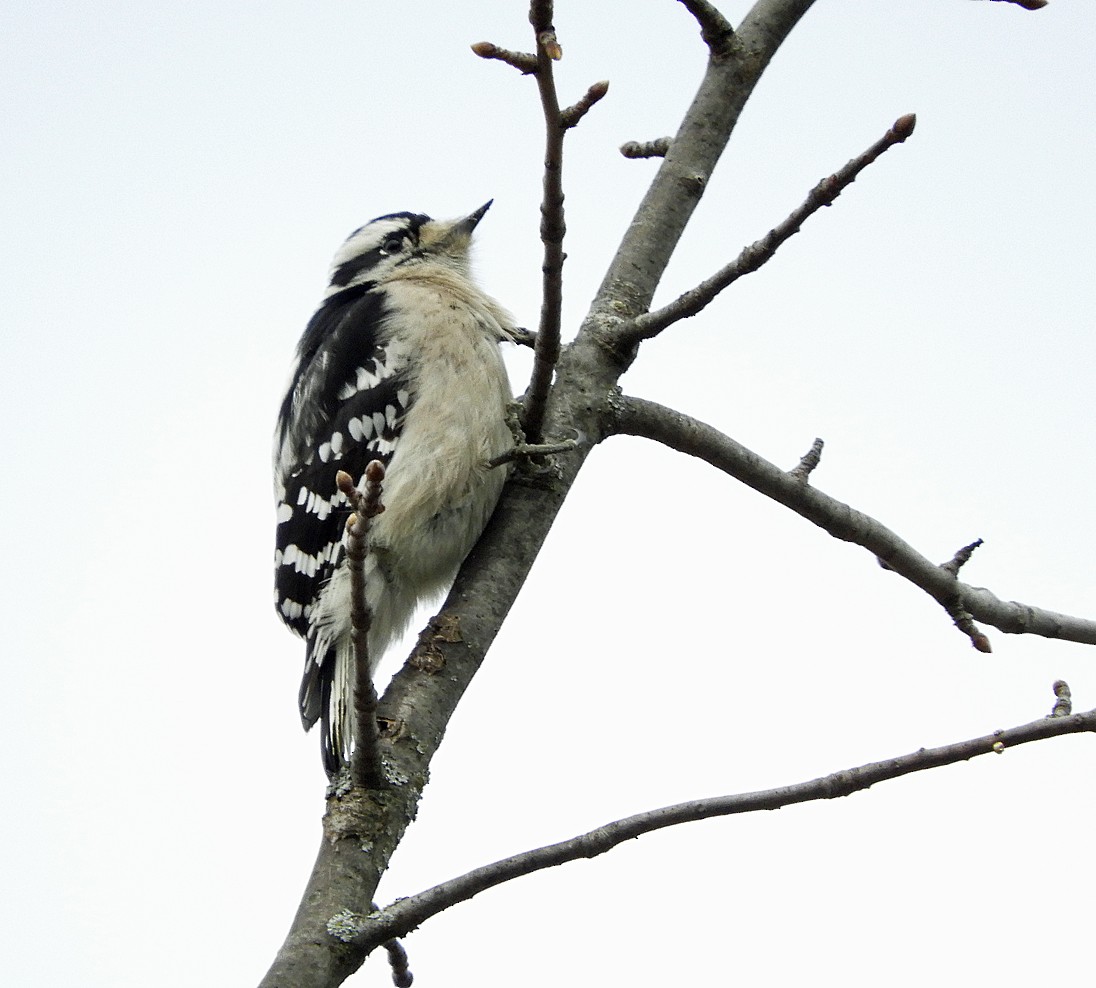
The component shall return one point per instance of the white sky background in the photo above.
(175, 179)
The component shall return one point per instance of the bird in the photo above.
(401, 363)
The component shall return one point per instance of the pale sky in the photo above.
(175, 179)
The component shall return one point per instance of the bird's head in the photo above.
(397, 242)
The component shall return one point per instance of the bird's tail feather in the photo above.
(336, 708)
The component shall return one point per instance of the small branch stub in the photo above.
(528, 451)
(573, 114)
(1063, 704)
(957, 561)
(809, 461)
(647, 149)
(715, 29)
(397, 961)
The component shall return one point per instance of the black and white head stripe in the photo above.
(393, 239)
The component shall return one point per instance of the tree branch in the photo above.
(525, 63)
(404, 915)
(366, 769)
(751, 258)
(363, 827)
(552, 224)
(637, 417)
(574, 113)
(661, 218)
(715, 29)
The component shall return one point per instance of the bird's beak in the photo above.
(468, 224)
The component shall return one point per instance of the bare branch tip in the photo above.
(525, 63)
(549, 44)
(961, 557)
(573, 114)
(980, 642)
(904, 126)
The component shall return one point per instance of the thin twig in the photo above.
(647, 149)
(525, 63)
(715, 29)
(574, 113)
(405, 914)
(366, 769)
(638, 417)
(525, 451)
(552, 225)
(964, 621)
(751, 258)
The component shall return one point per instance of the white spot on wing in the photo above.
(291, 609)
(285, 512)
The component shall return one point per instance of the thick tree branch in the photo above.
(363, 828)
(637, 417)
(756, 254)
(404, 915)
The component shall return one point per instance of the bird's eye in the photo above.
(393, 245)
